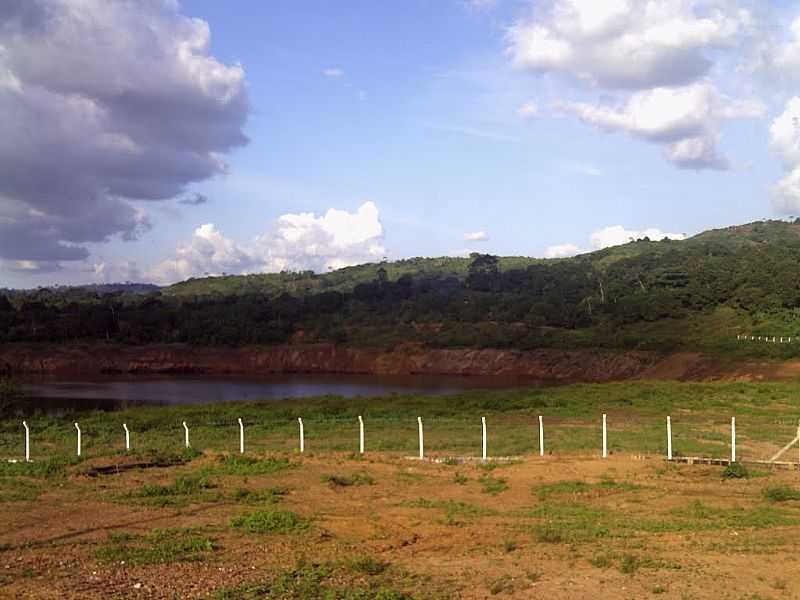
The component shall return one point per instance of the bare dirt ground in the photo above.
(552, 527)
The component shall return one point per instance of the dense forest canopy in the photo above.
(667, 294)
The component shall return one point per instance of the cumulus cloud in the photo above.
(685, 120)
(295, 242)
(116, 272)
(104, 104)
(561, 251)
(476, 236)
(616, 235)
(627, 44)
(784, 134)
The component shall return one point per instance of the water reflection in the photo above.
(57, 396)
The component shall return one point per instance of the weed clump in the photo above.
(781, 493)
(270, 521)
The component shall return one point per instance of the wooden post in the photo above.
(186, 434)
(421, 439)
(360, 434)
(27, 442)
(605, 438)
(669, 439)
(127, 437)
(483, 427)
(733, 439)
(541, 436)
(241, 436)
(302, 436)
(77, 427)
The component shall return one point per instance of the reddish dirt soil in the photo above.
(48, 545)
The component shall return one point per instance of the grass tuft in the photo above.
(270, 521)
(162, 546)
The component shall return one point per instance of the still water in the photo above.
(112, 393)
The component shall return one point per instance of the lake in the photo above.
(54, 395)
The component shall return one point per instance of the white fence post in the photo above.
(733, 439)
(186, 433)
(127, 437)
(541, 436)
(241, 436)
(302, 436)
(605, 438)
(483, 428)
(360, 434)
(421, 439)
(79, 438)
(669, 438)
(27, 442)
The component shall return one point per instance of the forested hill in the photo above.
(695, 294)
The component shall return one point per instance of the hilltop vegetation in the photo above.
(695, 294)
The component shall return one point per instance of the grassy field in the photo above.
(210, 523)
(767, 417)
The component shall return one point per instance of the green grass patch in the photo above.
(237, 464)
(455, 513)
(493, 485)
(781, 493)
(184, 490)
(161, 546)
(580, 488)
(271, 495)
(16, 489)
(270, 521)
(328, 581)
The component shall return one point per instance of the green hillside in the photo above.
(694, 294)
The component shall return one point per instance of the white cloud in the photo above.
(627, 44)
(476, 236)
(784, 134)
(295, 242)
(333, 72)
(561, 251)
(116, 272)
(616, 235)
(528, 110)
(685, 120)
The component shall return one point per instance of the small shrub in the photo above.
(269, 521)
(735, 470)
(510, 546)
(459, 478)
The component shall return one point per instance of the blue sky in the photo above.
(416, 107)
